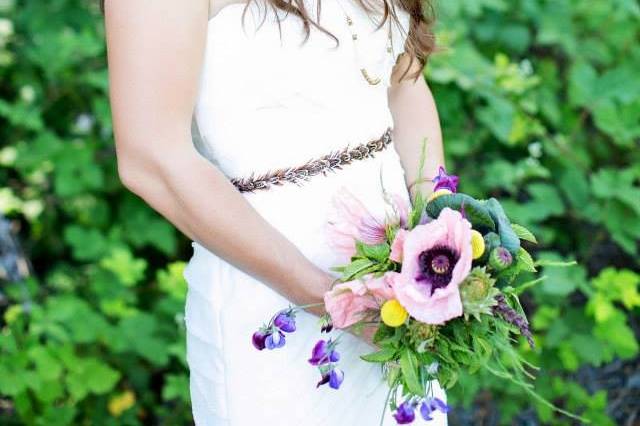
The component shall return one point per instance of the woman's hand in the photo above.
(155, 54)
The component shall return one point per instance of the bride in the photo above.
(219, 110)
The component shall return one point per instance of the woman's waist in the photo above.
(256, 143)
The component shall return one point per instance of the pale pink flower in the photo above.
(348, 302)
(401, 209)
(436, 258)
(381, 288)
(350, 221)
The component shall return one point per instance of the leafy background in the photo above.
(540, 106)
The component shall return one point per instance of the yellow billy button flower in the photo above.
(393, 313)
(477, 244)
(438, 193)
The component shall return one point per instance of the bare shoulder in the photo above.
(155, 52)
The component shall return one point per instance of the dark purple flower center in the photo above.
(436, 266)
(440, 264)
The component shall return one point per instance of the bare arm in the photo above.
(415, 118)
(155, 51)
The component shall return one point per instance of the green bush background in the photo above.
(540, 105)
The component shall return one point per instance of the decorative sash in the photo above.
(328, 163)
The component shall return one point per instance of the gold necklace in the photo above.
(354, 36)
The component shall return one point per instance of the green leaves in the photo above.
(552, 133)
(378, 253)
(523, 233)
(411, 372)
(383, 355)
(90, 376)
(368, 259)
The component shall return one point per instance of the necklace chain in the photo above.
(354, 37)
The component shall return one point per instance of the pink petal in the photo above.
(397, 247)
(382, 287)
(347, 303)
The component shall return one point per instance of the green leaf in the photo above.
(525, 261)
(410, 371)
(121, 262)
(86, 243)
(560, 281)
(582, 80)
(378, 252)
(383, 355)
(100, 377)
(356, 267)
(416, 211)
(523, 233)
(176, 387)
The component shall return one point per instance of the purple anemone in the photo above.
(445, 181)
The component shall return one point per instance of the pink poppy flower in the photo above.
(436, 258)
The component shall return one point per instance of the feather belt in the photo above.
(320, 166)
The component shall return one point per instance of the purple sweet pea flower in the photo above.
(445, 181)
(323, 353)
(405, 413)
(275, 340)
(319, 353)
(258, 340)
(286, 321)
(430, 405)
(336, 377)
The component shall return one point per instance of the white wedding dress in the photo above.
(268, 103)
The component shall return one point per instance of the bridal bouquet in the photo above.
(437, 282)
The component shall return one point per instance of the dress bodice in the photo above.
(267, 100)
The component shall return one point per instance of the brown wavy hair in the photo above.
(420, 40)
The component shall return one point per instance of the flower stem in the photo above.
(310, 305)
